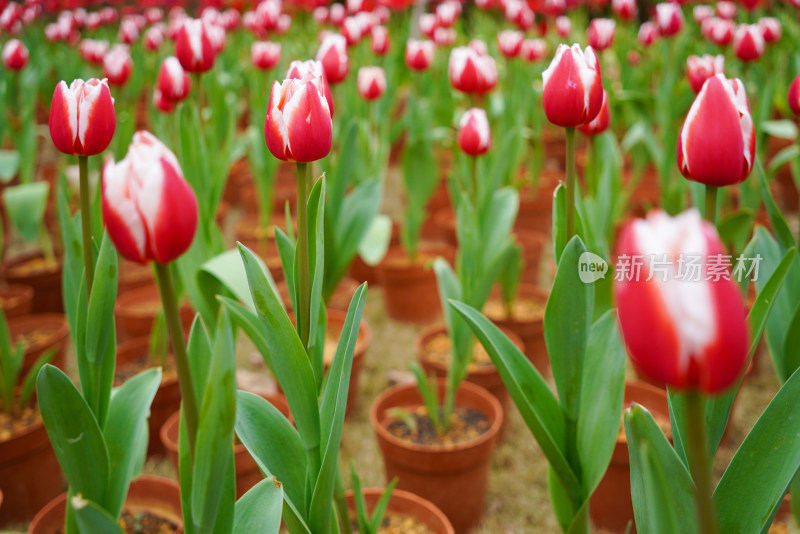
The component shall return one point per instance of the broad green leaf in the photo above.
(248, 321)
(259, 510)
(9, 165)
(776, 219)
(316, 258)
(782, 129)
(74, 434)
(786, 155)
(92, 518)
(25, 205)
(376, 241)
(199, 350)
(661, 514)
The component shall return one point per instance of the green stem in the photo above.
(699, 463)
(86, 223)
(342, 510)
(303, 270)
(570, 187)
(474, 184)
(175, 328)
(711, 203)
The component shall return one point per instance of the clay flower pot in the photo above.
(247, 472)
(156, 495)
(133, 276)
(530, 327)
(409, 288)
(168, 397)
(533, 244)
(41, 332)
(452, 477)
(29, 270)
(408, 504)
(29, 474)
(136, 312)
(16, 300)
(611, 507)
(536, 205)
(262, 240)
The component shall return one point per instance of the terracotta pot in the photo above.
(157, 495)
(555, 145)
(454, 478)
(262, 241)
(444, 222)
(536, 205)
(133, 276)
(168, 397)
(646, 194)
(55, 332)
(485, 376)
(136, 312)
(239, 178)
(247, 471)
(611, 507)
(529, 330)
(16, 300)
(440, 200)
(340, 299)
(361, 272)
(29, 474)
(405, 503)
(533, 244)
(46, 283)
(410, 292)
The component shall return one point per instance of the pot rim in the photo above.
(484, 370)
(408, 496)
(39, 319)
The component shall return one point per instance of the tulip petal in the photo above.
(63, 120)
(172, 227)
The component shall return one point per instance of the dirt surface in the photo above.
(465, 426)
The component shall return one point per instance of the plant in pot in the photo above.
(28, 472)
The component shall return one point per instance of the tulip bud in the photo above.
(601, 33)
(379, 37)
(573, 89)
(15, 55)
(624, 9)
(149, 209)
(647, 33)
(701, 13)
(444, 36)
(173, 82)
(371, 82)
(93, 51)
(794, 95)
(726, 10)
(337, 14)
(299, 69)
(82, 118)
(320, 14)
(682, 329)
(427, 24)
(510, 42)
(701, 68)
(555, 8)
(472, 72)
(265, 55)
(162, 104)
(333, 56)
(563, 26)
(117, 65)
(419, 54)
(717, 143)
(153, 38)
(128, 31)
(533, 49)
(600, 123)
(748, 42)
(298, 126)
(669, 19)
(474, 135)
(770, 29)
(750, 5)
(193, 47)
(447, 12)
(719, 31)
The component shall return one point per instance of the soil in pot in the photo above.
(133, 357)
(29, 472)
(453, 477)
(16, 300)
(526, 321)
(611, 507)
(406, 514)
(39, 334)
(43, 276)
(136, 312)
(409, 286)
(153, 506)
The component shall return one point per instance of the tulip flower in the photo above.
(379, 40)
(726, 10)
(419, 54)
(624, 9)
(701, 68)
(719, 31)
(93, 51)
(173, 83)
(299, 69)
(750, 5)
(669, 19)
(371, 82)
(794, 95)
(573, 89)
(563, 26)
(509, 42)
(648, 32)
(443, 37)
(82, 118)
(128, 31)
(15, 55)
(352, 31)
(265, 55)
(770, 29)
(337, 14)
(153, 38)
(600, 123)
(333, 56)
(162, 104)
(298, 125)
(533, 49)
(701, 13)
(748, 42)
(717, 143)
(474, 135)
(193, 46)
(472, 72)
(149, 209)
(601, 33)
(320, 14)
(427, 24)
(117, 65)
(447, 13)
(686, 333)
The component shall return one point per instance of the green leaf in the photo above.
(316, 242)
(382, 505)
(786, 155)
(661, 514)
(602, 392)
(559, 218)
(127, 419)
(93, 518)
(292, 369)
(750, 491)
(375, 243)
(776, 219)
(259, 510)
(9, 165)
(74, 434)
(25, 205)
(200, 352)
(782, 129)
(567, 322)
(643, 432)
(72, 260)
